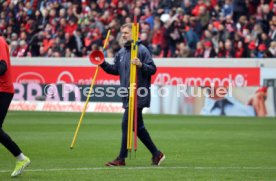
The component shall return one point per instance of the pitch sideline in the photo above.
(142, 168)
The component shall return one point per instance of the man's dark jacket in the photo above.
(121, 67)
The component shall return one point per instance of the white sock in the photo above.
(20, 157)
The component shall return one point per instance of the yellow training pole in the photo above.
(84, 109)
(135, 101)
(132, 85)
(88, 96)
(106, 40)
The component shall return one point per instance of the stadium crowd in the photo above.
(169, 28)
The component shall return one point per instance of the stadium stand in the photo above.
(169, 28)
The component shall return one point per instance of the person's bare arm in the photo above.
(258, 102)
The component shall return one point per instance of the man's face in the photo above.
(126, 35)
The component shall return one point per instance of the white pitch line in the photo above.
(143, 168)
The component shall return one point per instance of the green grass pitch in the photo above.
(196, 148)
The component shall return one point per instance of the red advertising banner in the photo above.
(192, 76)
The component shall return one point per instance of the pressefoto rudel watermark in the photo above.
(180, 90)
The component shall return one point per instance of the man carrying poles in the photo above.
(145, 68)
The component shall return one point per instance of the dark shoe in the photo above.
(117, 162)
(157, 160)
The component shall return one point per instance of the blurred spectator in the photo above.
(252, 53)
(209, 51)
(240, 50)
(191, 38)
(199, 50)
(182, 50)
(265, 40)
(272, 49)
(261, 51)
(22, 50)
(35, 44)
(272, 32)
(240, 8)
(221, 49)
(14, 48)
(229, 49)
(227, 8)
(169, 27)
